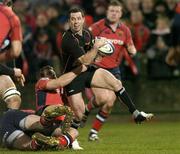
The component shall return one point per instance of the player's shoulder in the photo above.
(123, 26)
(87, 32)
(16, 19)
(99, 23)
(9, 13)
(40, 82)
(67, 35)
(7, 10)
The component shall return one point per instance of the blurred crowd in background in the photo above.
(155, 27)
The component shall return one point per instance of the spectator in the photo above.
(156, 66)
(132, 5)
(43, 48)
(162, 30)
(171, 6)
(148, 12)
(173, 56)
(140, 32)
(99, 9)
(161, 8)
(159, 44)
(53, 15)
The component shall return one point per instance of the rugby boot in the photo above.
(139, 117)
(54, 111)
(46, 141)
(76, 146)
(93, 137)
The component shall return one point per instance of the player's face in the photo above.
(76, 21)
(114, 13)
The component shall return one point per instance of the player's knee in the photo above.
(13, 138)
(117, 85)
(74, 133)
(110, 103)
(105, 98)
(100, 99)
(79, 116)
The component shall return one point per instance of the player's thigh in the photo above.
(22, 142)
(10, 128)
(104, 96)
(31, 122)
(104, 79)
(77, 104)
(9, 93)
(6, 83)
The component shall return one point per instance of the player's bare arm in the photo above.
(16, 48)
(66, 78)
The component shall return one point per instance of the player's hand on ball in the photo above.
(99, 42)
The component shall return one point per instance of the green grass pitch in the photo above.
(126, 138)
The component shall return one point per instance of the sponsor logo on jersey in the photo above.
(114, 41)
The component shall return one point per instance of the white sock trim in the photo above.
(100, 118)
(94, 131)
(122, 90)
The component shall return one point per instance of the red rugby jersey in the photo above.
(46, 97)
(10, 26)
(121, 38)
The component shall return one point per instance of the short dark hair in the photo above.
(47, 71)
(75, 10)
(115, 3)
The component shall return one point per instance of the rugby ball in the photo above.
(107, 49)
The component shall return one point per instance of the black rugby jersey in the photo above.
(73, 47)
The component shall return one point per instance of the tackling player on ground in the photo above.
(49, 90)
(16, 126)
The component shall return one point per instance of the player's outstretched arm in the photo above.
(65, 79)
